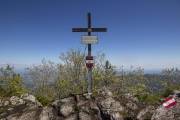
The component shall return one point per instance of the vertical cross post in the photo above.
(89, 54)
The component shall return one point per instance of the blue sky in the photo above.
(140, 32)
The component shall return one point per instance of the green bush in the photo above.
(139, 90)
(152, 99)
(167, 92)
(44, 100)
(142, 97)
(2, 92)
(15, 86)
(11, 83)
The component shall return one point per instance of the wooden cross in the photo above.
(89, 29)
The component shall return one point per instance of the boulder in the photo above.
(1, 102)
(109, 104)
(14, 100)
(146, 113)
(111, 109)
(28, 97)
(130, 97)
(6, 103)
(46, 114)
(67, 109)
(67, 100)
(105, 92)
(84, 116)
(72, 117)
(132, 106)
(22, 112)
(162, 113)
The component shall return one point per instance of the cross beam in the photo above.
(89, 29)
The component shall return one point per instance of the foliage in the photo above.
(71, 73)
(45, 101)
(70, 77)
(15, 85)
(2, 92)
(104, 73)
(139, 91)
(152, 99)
(43, 77)
(11, 82)
(64, 88)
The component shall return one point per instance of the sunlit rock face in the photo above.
(103, 106)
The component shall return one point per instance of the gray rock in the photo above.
(162, 113)
(46, 114)
(55, 103)
(146, 113)
(1, 102)
(105, 92)
(6, 103)
(28, 97)
(176, 91)
(111, 109)
(14, 100)
(111, 104)
(67, 100)
(67, 109)
(24, 116)
(72, 117)
(128, 96)
(84, 116)
(116, 116)
(131, 105)
(31, 99)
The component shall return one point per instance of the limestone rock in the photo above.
(111, 104)
(67, 100)
(84, 116)
(67, 109)
(28, 97)
(105, 92)
(1, 102)
(162, 113)
(131, 105)
(72, 117)
(146, 113)
(14, 100)
(128, 96)
(46, 114)
(111, 109)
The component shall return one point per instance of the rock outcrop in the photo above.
(110, 108)
(19, 108)
(173, 113)
(81, 107)
(76, 107)
(146, 113)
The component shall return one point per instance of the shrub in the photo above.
(44, 100)
(167, 92)
(152, 99)
(11, 83)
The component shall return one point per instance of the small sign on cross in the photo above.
(89, 40)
